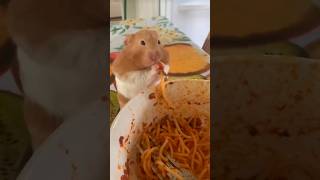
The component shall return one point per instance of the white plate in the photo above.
(136, 111)
(75, 151)
(128, 124)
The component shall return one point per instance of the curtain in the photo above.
(166, 8)
(147, 8)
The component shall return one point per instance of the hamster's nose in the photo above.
(154, 56)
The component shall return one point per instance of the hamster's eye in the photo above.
(159, 42)
(142, 43)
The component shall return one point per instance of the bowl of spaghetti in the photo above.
(163, 133)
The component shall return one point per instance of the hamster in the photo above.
(139, 64)
(61, 49)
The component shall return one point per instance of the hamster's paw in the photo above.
(154, 75)
(156, 69)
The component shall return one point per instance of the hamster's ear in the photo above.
(128, 39)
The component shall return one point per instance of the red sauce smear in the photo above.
(152, 96)
(126, 171)
(121, 141)
(126, 140)
(160, 66)
(124, 177)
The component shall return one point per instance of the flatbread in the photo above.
(266, 121)
(186, 60)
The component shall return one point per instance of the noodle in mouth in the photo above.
(174, 138)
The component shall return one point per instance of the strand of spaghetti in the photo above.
(180, 158)
(150, 160)
(147, 161)
(202, 173)
(158, 130)
(200, 160)
(171, 140)
(184, 165)
(187, 161)
(171, 171)
(188, 141)
(163, 129)
(176, 132)
(179, 146)
(179, 130)
(181, 154)
(183, 141)
(171, 149)
(184, 147)
(201, 153)
(143, 160)
(168, 125)
(172, 145)
(169, 134)
(161, 150)
(147, 140)
(196, 161)
(194, 150)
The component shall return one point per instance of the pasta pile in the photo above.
(185, 140)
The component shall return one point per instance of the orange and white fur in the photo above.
(62, 57)
(139, 64)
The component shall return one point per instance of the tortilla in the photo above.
(186, 60)
(266, 117)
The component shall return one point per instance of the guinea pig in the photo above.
(61, 49)
(139, 64)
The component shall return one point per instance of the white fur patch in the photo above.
(67, 73)
(166, 68)
(132, 83)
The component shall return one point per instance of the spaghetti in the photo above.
(184, 140)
